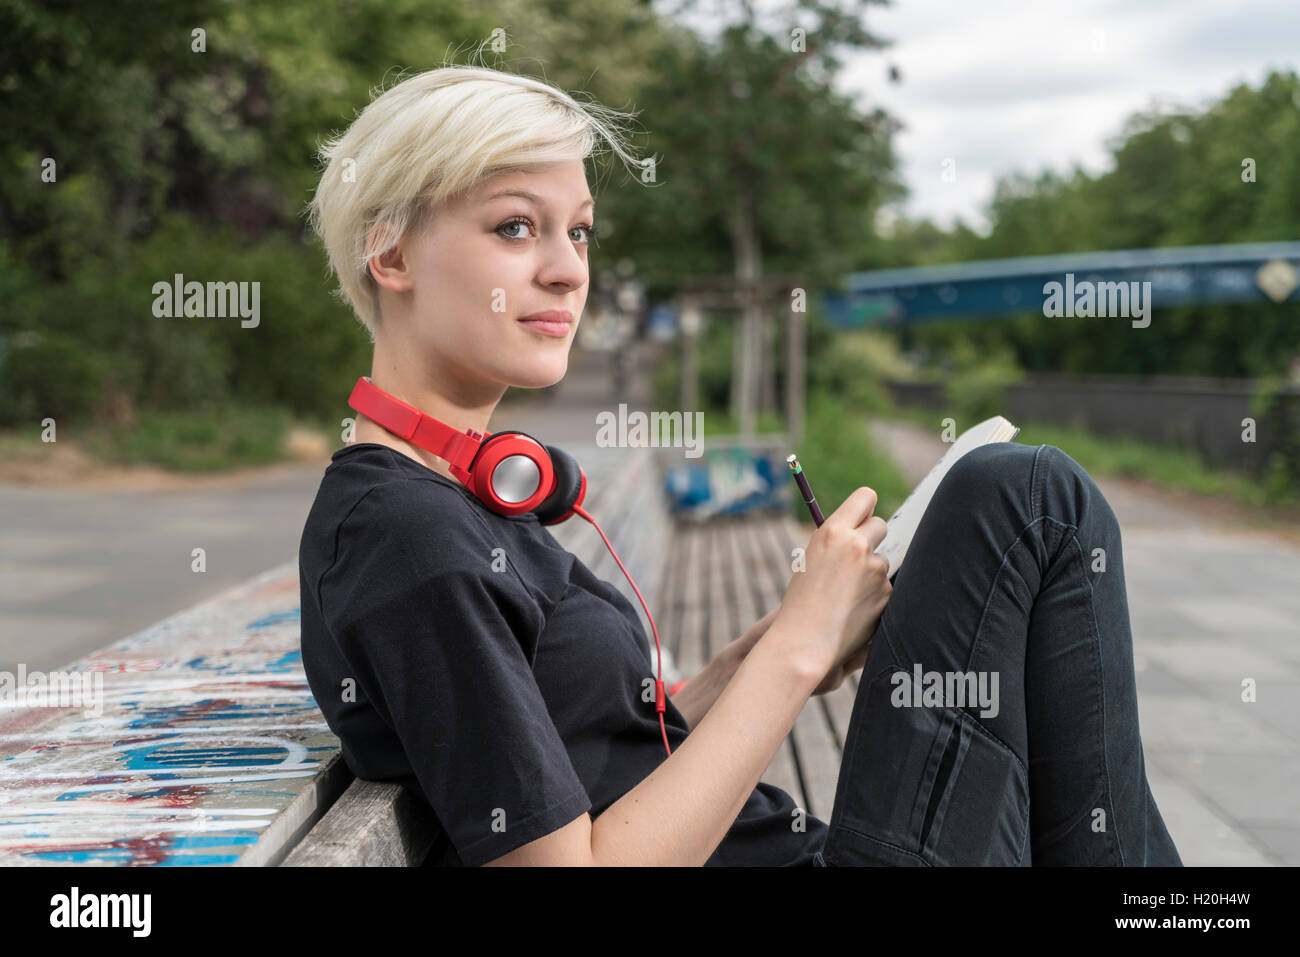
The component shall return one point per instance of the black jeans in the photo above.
(1012, 593)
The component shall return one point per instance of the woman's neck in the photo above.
(367, 431)
(459, 402)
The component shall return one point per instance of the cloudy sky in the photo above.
(1004, 85)
(1001, 85)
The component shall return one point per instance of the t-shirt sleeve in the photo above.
(440, 643)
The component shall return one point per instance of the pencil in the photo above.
(804, 489)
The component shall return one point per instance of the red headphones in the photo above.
(510, 472)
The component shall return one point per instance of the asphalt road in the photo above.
(84, 565)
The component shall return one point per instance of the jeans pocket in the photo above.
(924, 785)
(981, 807)
(848, 848)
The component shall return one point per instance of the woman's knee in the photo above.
(1033, 481)
(990, 471)
(1068, 493)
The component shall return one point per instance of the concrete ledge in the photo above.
(209, 750)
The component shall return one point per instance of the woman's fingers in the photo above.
(857, 660)
(855, 509)
(876, 530)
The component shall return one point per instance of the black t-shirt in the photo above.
(470, 657)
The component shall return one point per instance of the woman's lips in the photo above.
(548, 327)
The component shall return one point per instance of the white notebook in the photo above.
(902, 524)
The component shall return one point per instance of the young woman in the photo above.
(467, 655)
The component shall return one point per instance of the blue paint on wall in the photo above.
(276, 618)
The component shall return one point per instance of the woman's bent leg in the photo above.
(996, 718)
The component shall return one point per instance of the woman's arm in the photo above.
(681, 812)
(697, 697)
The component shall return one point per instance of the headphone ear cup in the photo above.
(570, 488)
(501, 476)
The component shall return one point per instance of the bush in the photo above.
(49, 373)
(209, 438)
(68, 345)
(840, 456)
(976, 389)
(855, 365)
(1277, 415)
(714, 355)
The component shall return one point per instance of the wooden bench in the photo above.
(726, 575)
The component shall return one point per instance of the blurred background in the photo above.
(854, 214)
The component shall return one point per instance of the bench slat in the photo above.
(374, 824)
(752, 541)
(689, 645)
(816, 754)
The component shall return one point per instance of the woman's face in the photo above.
(485, 263)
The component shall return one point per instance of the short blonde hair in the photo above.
(432, 138)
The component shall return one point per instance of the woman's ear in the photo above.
(389, 269)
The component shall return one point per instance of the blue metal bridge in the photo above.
(1181, 275)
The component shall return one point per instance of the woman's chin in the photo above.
(541, 377)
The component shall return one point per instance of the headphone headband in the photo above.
(404, 420)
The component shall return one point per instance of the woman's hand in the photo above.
(836, 676)
(738, 648)
(699, 693)
(835, 600)
(696, 697)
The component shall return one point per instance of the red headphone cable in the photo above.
(661, 696)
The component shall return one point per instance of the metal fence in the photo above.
(1207, 415)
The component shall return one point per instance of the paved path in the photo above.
(86, 564)
(1210, 604)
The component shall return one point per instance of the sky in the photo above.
(990, 87)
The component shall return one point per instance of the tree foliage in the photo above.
(184, 137)
(1178, 178)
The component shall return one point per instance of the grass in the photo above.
(718, 423)
(839, 456)
(203, 440)
(836, 451)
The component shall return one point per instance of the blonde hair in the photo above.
(430, 139)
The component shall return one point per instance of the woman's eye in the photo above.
(588, 231)
(510, 225)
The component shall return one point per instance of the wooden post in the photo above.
(767, 362)
(795, 339)
(748, 268)
(689, 321)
